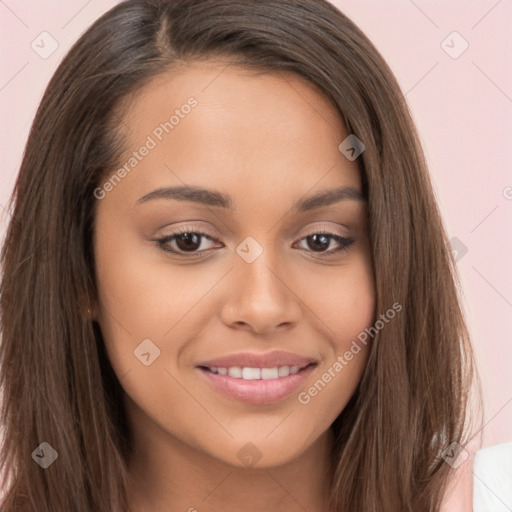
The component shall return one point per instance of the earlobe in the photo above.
(92, 313)
(88, 311)
(88, 315)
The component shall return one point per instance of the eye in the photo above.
(320, 241)
(188, 242)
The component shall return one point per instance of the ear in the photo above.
(88, 309)
(91, 314)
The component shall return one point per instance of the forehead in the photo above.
(271, 130)
(220, 85)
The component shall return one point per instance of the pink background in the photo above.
(462, 107)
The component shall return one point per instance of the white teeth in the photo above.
(251, 373)
(269, 373)
(248, 373)
(284, 371)
(235, 371)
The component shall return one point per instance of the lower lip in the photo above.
(258, 391)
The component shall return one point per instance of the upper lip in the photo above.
(253, 360)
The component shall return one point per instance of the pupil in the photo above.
(190, 242)
(322, 239)
(188, 238)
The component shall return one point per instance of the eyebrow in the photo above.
(208, 197)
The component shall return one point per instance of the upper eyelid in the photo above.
(350, 230)
(209, 234)
(205, 234)
(344, 243)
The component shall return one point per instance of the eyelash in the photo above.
(345, 242)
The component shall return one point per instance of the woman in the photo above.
(226, 280)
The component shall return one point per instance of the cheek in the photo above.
(139, 291)
(143, 311)
(354, 313)
(147, 306)
(345, 309)
(344, 302)
(128, 298)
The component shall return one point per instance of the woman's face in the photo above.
(250, 281)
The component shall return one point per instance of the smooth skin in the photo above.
(267, 141)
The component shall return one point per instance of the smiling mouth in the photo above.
(252, 373)
(256, 386)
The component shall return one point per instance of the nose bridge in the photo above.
(260, 296)
(258, 277)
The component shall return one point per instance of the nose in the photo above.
(260, 297)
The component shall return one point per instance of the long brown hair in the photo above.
(58, 386)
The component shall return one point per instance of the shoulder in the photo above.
(482, 482)
(459, 495)
(492, 485)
